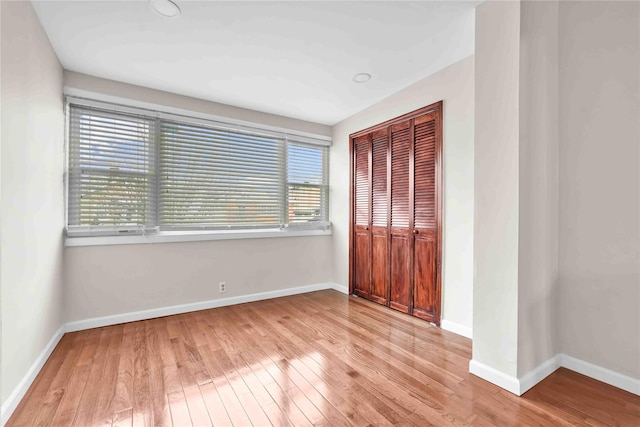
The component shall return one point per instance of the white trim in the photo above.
(90, 97)
(630, 384)
(494, 376)
(456, 328)
(115, 319)
(340, 288)
(10, 405)
(190, 236)
(538, 374)
(519, 386)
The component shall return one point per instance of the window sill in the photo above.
(189, 236)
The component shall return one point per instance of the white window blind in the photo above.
(111, 172)
(219, 178)
(145, 172)
(307, 189)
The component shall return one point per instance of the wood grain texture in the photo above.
(379, 218)
(321, 358)
(426, 302)
(379, 266)
(400, 270)
(404, 171)
(362, 263)
(362, 208)
(400, 194)
(400, 262)
(361, 181)
(424, 289)
(379, 179)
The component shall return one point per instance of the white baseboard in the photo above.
(541, 372)
(519, 386)
(115, 319)
(456, 328)
(10, 405)
(495, 376)
(340, 288)
(630, 384)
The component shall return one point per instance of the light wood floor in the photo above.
(315, 359)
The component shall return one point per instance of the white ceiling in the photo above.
(296, 59)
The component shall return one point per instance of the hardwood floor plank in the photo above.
(123, 398)
(320, 358)
(49, 407)
(253, 409)
(179, 410)
(426, 372)
(299, 410)
(389, 367)
(370, 404)
(233, 406)
(338, 400)
(394, 391)
(197, 408)
(236, 377)
(71, 400)
(142, 414)
(215, 407)
(160, 415)
(329, 411)
(593, 397)
(190, 365)
(287, 407)
(245, 338)
(103, 415)
(97, 353)
(123, 418)
(229, 399)
(91, 339)
(233, 377)
(61, 360)
(276, 416)
(170, 373)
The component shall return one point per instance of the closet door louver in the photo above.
(380, 216)
(425, 219)
(395, 239)
(362, 190)
(400, 216)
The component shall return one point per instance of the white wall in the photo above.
(598, 314)
(139, 93)
(538, 174)
(557, 190)
(454, 85)
(108, 280)
(495, 287)
(32, 192)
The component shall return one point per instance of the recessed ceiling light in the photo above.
(165, 8)
(362, 77)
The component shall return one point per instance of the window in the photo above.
(142, 172)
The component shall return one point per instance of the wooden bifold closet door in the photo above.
(396, 193)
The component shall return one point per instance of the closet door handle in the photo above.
(415, 231)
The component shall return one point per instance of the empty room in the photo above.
(337, 213)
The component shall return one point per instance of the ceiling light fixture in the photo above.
(362, 77)
(165, 8)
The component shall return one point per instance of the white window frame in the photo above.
(154, 235)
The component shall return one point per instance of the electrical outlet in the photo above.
(223, 287)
